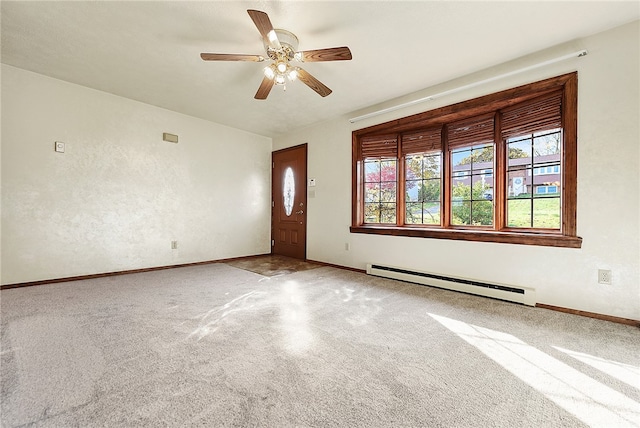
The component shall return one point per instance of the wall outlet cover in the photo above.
(604, 276)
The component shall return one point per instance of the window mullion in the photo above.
(445, 203)
(361, 192)
(400, 185)
(500, 176)
(357, 181)
(569, 157)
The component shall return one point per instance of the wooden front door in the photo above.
(289, 202)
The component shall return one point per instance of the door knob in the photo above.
(300, 212)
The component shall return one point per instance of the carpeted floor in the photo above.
(214, 345)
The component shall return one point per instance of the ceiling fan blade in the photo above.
(264, 89)
(230, 57)
(330, 54)
(313, 83)
(263, 23)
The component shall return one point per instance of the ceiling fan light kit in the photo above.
(282, 48)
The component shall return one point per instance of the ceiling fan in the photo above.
(281, 47)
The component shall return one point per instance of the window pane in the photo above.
(414, 167)
(422, 188)
(533, 181)
(388, 213)
(388, 168)
(432, 165)
(460, 212)
(372, 170)
(482, 187)
(430, 190)
(412, 191)
(414, 213)
(546, 213)
(288, 190)
(461, 159)
(428, 213)
(380, 190)
(461, 192)
(519, 148)
(461, 177)
(547, 143)
(372, 192)
(472, 180)
(388, 191)
(518, 183)
(431, 213)
(482, 213)
(372, 213)
(413, 177)
(519, 213)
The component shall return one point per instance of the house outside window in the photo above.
(500, 168)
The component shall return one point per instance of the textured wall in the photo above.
(608, 197)
(119, 194)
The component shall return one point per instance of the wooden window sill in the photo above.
(510, 237)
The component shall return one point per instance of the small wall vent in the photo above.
(171, 138)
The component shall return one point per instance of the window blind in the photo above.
(379, 146)
(540, 114)
(422, 141)
(476, 130)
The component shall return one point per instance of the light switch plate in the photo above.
(59, 147)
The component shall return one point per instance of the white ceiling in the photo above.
(150, 51)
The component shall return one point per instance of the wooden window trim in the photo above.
(566, 237)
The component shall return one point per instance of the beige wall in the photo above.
(119, 194)
(608, 188)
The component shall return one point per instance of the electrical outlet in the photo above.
(347, 246)
(174, 245)
(604, 276)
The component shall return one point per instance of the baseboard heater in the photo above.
(522, 295)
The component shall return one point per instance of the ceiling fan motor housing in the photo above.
(289, 43)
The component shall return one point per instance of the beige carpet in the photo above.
(214, 345)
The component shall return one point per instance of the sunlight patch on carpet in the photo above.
(294, 318)
(623, 372)
(589, 400)
(210, 320)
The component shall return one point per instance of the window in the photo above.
(380, 179)
(471, 151)
(422, 176)
(499, 168)
(380, 185)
